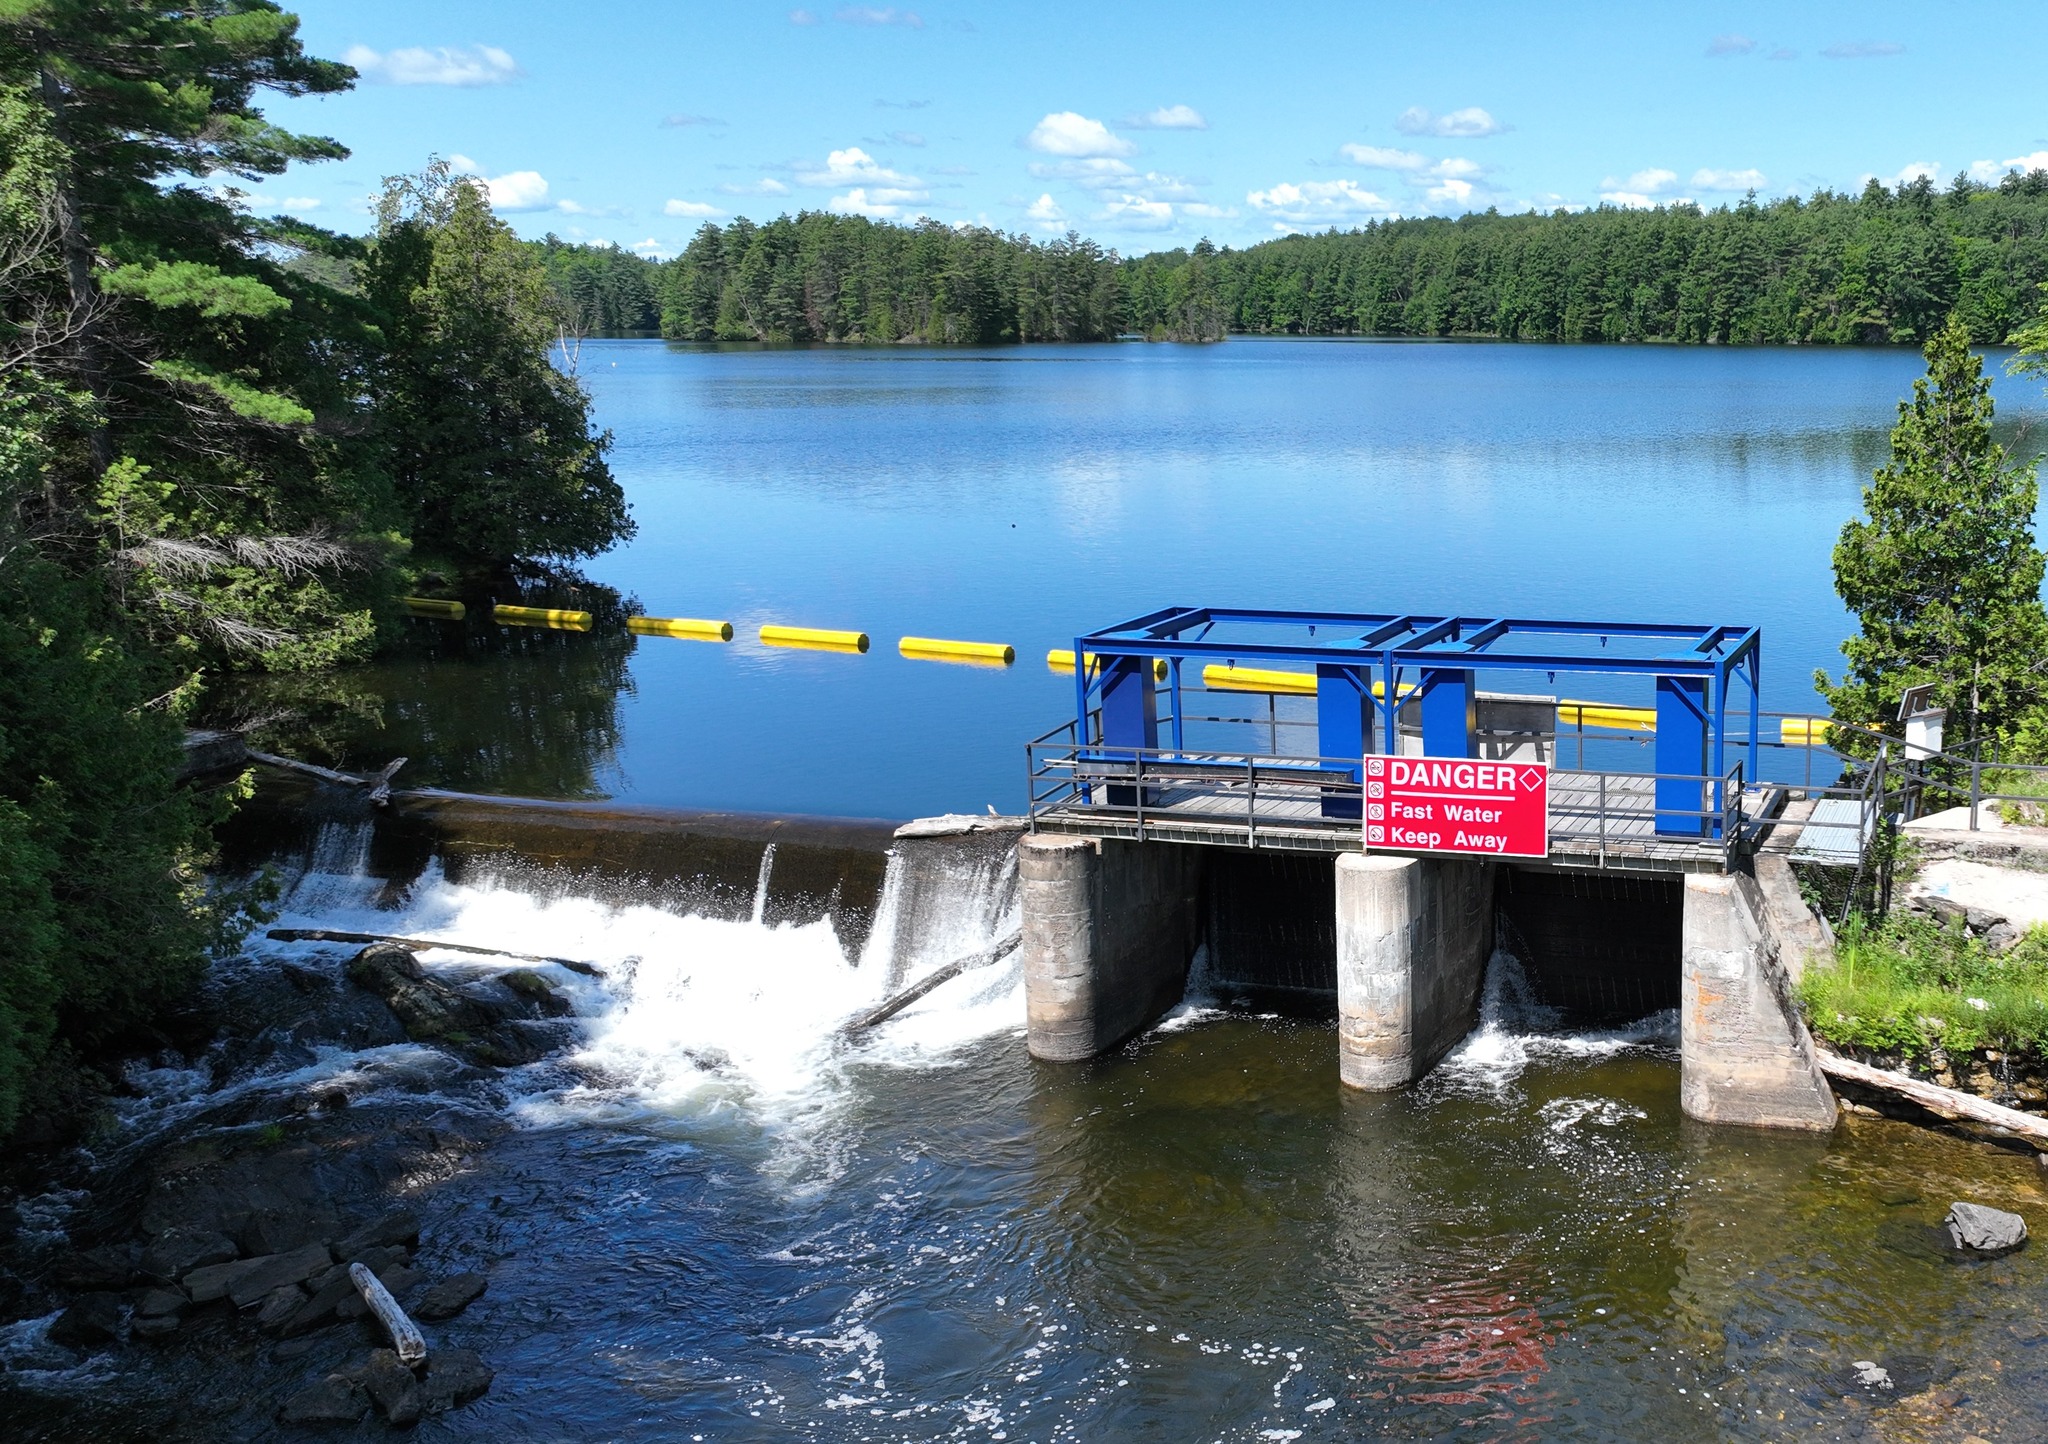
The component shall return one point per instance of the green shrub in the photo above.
(1909, 984)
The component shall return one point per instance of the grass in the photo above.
(1909, 985)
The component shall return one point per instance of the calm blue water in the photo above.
(1023, 495)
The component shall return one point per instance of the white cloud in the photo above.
(1096, 173)
(442, 65)
(1706, 179)
(1469, 123)
(299, 203)
(1046, 211)
(1991, 172)
(689, 208)
(878, 15)
(768, 185)
(1864, 50)
(1644, 182)
(463, 165)
(577, 208)
(1208, 212)
(1379, 157)
(1451, 192)
(1066, 132)
(1138, 213)
(1169, 117)
(1632, 200)
(857, 202)
(1730, 45)
(651, 248)
(1311, 201)
(854, 165)
(519, 190)
(802, 17)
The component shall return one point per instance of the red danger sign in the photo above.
(1454, 804)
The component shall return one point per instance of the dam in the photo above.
(1368, 852)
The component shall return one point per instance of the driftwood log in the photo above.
(930, 981)
(379, 785)
(329, 935)
(1941, 1102)
(406, 1339)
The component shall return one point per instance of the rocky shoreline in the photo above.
(217, 1251)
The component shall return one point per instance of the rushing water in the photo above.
(1023, 495)
(715, 1218)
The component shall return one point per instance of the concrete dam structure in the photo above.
(1366, 854)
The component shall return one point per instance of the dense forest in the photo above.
(227, 444)
(1886, 265)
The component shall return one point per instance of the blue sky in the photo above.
(1147, 125)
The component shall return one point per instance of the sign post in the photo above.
(1457, 805)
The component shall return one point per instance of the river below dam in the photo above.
(708, 1215)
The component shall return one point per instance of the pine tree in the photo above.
(1942, 571)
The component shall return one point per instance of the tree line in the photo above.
(227, 444)
(1888, 264)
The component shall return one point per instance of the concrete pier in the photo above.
(1109, 928)
(1413, 937)
(1745, 1054)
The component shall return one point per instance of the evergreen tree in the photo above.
(487, 440)
(1942, 571)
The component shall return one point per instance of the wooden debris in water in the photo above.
(406, 1339)
(329, 935)
(1941, 1102)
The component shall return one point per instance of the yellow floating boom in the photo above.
(817, 639)
(435, 607)
(556, 617)
(696, 629)
(1063, 661)
(937, 649)
(1602, 714)
(1804, 731)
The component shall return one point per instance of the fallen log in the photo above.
(1942, 1102)
(328, 935)
(930, 981)
(379, 785)
(406, 1339)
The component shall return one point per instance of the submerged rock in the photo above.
(336, 1399)
(454, 1376)
(95, 1319)
(1985, 1230)
(450, 1297)
(393, 1388)
(487, 1030)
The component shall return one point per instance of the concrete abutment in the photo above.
(1413, 939)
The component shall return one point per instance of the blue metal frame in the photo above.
(1436, 648)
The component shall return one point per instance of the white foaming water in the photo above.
(1516, 1030)
(698, 1015)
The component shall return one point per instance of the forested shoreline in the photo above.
(1887, 265)
(227, 445)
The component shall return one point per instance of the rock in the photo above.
(1870, 1374)
(160, 1326)
(392, 1387)
(319, 1310)
(1983, 920)
(274, 1271)
(213, 1282)
(2000, 936)
(110, 1266)
(1985, 1230)
(376, 1260)
(94, 1319)
(454, 1376)
(536, 990)
(430, 1011)
(449, 1297)
(155, 1303)
(180, 1250)
(279, 1305)
(282, 1228)
(305, 980)
(336, 1399)
(397, 1279)
(400, 1226)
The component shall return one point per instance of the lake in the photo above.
(1024, 494)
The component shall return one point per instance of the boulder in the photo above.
(449, 1297)
(1984, 1230)
(213, 1282)
(431, 1011)
(454, 1376)
(393, 1388)
(377, 1259)
(279, 1305)
(155, 1303)
(536, 990)
(335, 1400)
(319, 1310)
(274, 1271)
(178, 1251)
(95, 1319)
(284, 1227)
(110, 1266)
(158, 1326)
(400, 1226)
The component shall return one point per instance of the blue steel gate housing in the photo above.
(1369, 665)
